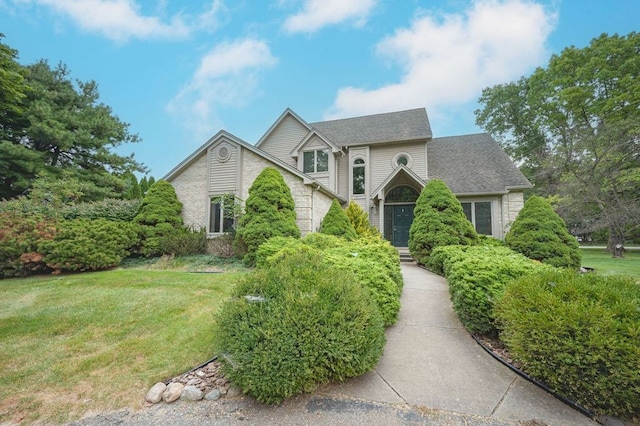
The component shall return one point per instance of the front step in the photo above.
(404, 254)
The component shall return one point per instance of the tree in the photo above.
(575, 126)
(132, 188)
(336, 222)
(50, 123)
(18, 163)
(540, 234)
(438, 221)
(269, 212)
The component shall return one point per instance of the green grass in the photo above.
(81, 343)
(604, 264)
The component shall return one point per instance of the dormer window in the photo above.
(316, 161)
(358, 176)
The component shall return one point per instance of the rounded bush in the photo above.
(579, 335)
(20, 236)
(540, 234)
(438, 221)
(336, 222)
(88, 245)
(478, 278)
(295, 325)
(360, 220)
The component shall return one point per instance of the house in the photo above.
(380, 161)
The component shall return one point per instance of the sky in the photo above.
(180, 71)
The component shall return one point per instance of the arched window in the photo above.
(402, 194)
(358, 176)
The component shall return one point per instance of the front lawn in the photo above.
(84, 343)
(604, 264)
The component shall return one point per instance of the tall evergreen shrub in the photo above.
(438, 221)
(540, 234)
(159, 216)
(269, 212)
(336, 222)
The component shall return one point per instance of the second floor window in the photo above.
(358, 176)
(316, 161)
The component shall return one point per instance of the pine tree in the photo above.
(336, 222)
(540, 234)
(438, 221)
(269, 212)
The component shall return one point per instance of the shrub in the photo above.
(539, 233)
(275, 248)
(360, 220)
(184, 241)
(438, 221)
(20, 236)
(336, 222)
(221, 246)
(269, 212)
(295, 325)
(579, 335)
(88, 245)
(477, 279)
(323, 241)
(109, 208)
(159, 217)
(444, 256)
(160, 205)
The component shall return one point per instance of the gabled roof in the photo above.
(307, 180)
(287, 112)
(473, 164)
(312, 133)
(377, 193)
(388, 127)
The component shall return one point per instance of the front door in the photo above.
(402, 219)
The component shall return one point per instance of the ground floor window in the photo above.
(221, 214)
(479, 213)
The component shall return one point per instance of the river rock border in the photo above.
(205, 382)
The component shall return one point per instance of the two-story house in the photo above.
(380, 161)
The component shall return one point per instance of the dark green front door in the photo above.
(402, 219)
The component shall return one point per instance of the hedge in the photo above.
(477, 278)
(295, 324)
(88, 245)
(579, 335)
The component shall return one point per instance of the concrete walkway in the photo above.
(431, 361)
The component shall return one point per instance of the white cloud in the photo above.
(228, 75)
(448, 61)
(121, 20)
(320, 13)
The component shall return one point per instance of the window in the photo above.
(402, 159)
(358, 176)
(479, 213)
(315, 161)
(220, 218)
(402, 194)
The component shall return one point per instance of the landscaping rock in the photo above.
(233, 391)
(173, 392)
(214, 395)
(191, 393)
(155, 393)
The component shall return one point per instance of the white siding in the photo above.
(381, 158)
(286, 136)
(342, 176)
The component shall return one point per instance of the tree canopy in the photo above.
(574, 127)
(50, 123)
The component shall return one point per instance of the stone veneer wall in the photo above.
(311, 205)
(191, 189)
(512, 203)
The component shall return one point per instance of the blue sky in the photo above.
(179, 71)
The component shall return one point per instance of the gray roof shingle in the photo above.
(398, 126)
(473, 164)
